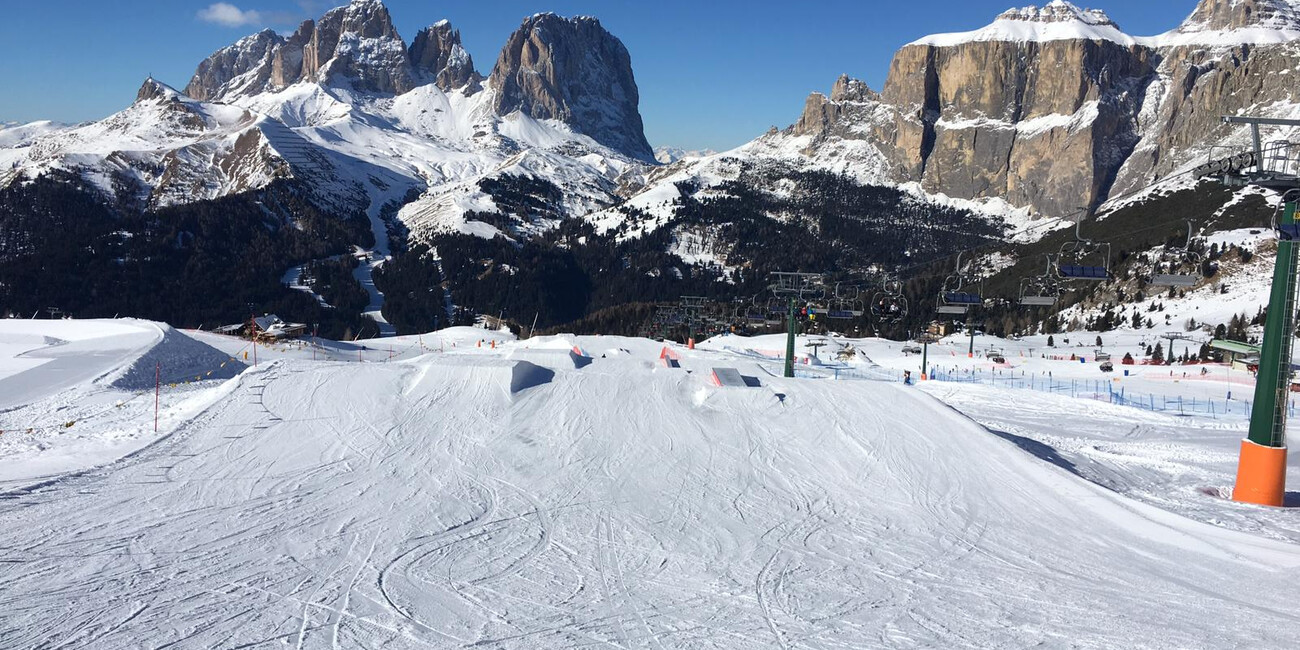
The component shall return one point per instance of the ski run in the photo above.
(466, 489)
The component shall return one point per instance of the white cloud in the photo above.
(224, 13)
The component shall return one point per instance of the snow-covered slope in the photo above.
(519, 498)
(1216, 23)
(74, 394)
(164, 149)
(669, 155)
(1055, 21)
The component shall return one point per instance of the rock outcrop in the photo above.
(1228, 57)
(1038, 123)
(1054, 108)
(355, 46)
(1223, 15)
(574, 71)
(245, 64)
(567, 69)
(437, 52)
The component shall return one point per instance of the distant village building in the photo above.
(939, 329)
(264, 328)
(1241, 356)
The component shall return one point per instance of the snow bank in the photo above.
(178, 358)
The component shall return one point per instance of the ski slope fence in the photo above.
(1103, 390)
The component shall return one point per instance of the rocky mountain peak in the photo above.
(355, 45)
(358, 46)
(219, 73)
(153, 89)
(1229, 15)
(1055, 21)
(848, 89)
(363, 18)
(1058, 11)
(574, 71)
(437, 51)
(822, 115)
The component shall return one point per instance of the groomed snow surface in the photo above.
(463, 488)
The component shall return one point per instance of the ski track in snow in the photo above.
(423, 504)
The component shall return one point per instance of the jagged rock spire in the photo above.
(574, 71)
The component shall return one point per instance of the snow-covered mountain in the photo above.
(668, 155)
(1046, 108)
(976, 136)
(343, 103)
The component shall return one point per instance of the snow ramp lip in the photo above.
(556, 358)
(176, 358)
(525, 375)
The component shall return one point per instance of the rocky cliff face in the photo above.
(572, 70)
(566, 69)
(1044, 124)
(1228, 57)
(248, 61)
(436, 51)
(1242, 14)
(354, 46)
(1055, 108)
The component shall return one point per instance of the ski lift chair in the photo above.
(1183, 266)
(888, 305)
(1040, 291)
(1286, 231)
(841, 307)
(1083, 259)
(944, 308)
(756, 312)
(954, 292)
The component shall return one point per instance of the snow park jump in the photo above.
(413, 493)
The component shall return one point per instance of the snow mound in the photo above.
(552, 357)
(178, 358)
(525, 375)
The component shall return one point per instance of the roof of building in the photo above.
(1235, 346)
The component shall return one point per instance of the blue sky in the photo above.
(712, 73)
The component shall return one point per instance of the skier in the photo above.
(907, 377)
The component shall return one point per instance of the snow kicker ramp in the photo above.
(423, 505)
(124, 353)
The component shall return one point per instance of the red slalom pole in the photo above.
(157, 389)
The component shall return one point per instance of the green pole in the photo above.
(789, 343)
(1268, 419)
(925, 356)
